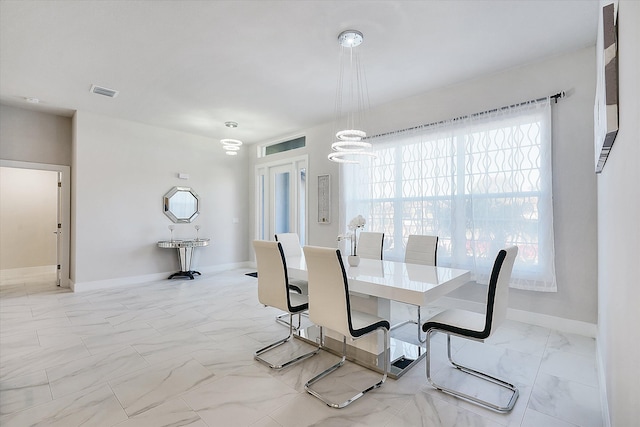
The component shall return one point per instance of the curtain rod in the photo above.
(555, 97)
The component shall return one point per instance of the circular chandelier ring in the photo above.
(351, 135)
(350, 146)
(234, 142)
(338, 156)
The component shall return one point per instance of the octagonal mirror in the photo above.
(181, 204)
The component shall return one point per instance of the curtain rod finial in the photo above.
(561, 94)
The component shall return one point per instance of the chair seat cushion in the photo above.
(462, 322)
(298, 302)
(363, 323)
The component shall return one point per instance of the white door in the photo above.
(282, 196)
(281, 199)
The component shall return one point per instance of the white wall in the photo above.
(121, 171)
(28, 218)
(32, 136)
(619, 235)
(574, 180)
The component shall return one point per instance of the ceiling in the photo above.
(269, 65)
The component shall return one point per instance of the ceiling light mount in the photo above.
(231, 124)
(350, 38)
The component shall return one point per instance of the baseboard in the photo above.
(224, 267)
(538, 319)
(114, 283)
(146, 278)
(561, 324)
(14, 273)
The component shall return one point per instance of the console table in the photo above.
(185, 253)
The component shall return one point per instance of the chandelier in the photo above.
(352, 103)
(231, 146)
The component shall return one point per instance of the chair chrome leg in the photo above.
(420, 339)
(470, 371)
(414, 322)
(329, 370)
(257, 354)
(281, 319)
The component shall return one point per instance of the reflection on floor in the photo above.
(181, 353)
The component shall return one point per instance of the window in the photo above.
(280, 147)
(480, 183)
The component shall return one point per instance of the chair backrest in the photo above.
(421, 250)
(290, 244)
(369, 245)
(328, 289)
(272, 275)
(498, 293)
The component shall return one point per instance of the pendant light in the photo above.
(352, 102)
(231, 146)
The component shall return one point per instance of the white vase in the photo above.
(353, 260)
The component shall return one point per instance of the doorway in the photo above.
(34, 222)
(282, 199)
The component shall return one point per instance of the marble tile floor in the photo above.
(180, 353)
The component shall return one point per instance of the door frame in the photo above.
(263, 170)
(64, 212)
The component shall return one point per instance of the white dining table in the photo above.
(379, 282)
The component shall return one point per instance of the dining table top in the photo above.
(393, 280)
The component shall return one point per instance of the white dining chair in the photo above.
(273, 291)
(290, 244)
(291, 247)
(421, 249)
(369, 245)
(479, 327)
(330, 307)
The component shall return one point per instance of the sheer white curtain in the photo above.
(480, 183)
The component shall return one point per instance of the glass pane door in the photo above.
(281, 199)
(282, 189)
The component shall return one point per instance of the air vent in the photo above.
(104, 91)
